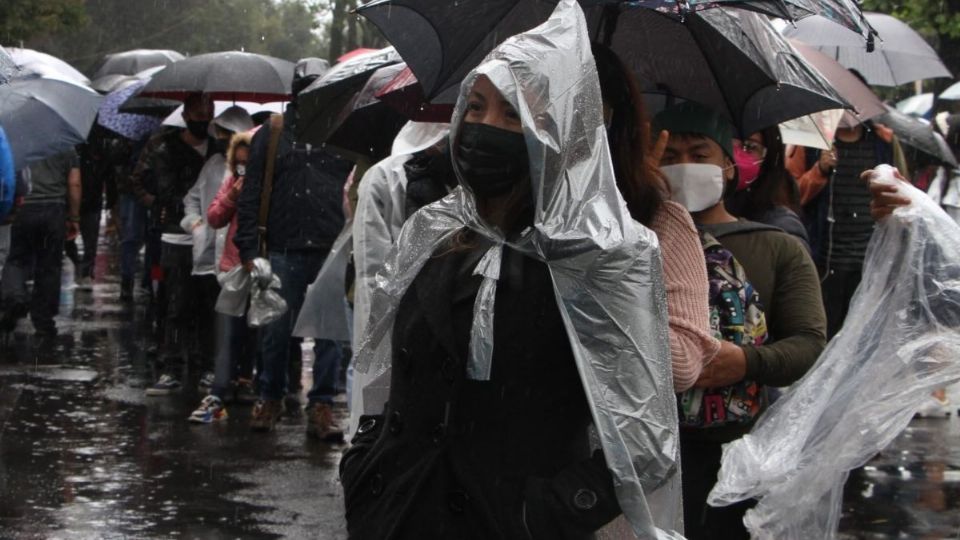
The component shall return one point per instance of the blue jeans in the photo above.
(133, 223)
(296, 270)
(236, 343)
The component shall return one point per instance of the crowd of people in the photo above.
(756, 246)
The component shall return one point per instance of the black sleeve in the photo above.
(575, 503)
(247, 238)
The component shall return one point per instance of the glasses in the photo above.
(754, 149)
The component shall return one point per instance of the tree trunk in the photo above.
(336, 29)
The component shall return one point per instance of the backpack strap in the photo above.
(744, 227)
(276, 130)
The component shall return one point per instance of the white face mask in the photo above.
(241, 170)
(696, 186)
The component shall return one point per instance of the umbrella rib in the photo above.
(738, 122)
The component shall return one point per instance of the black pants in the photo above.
(180, 326)
(207, 290)
(36, 251)
(837, 290)
(90, 234)
(701, 462)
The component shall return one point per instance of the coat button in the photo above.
(457, 501)
(395, 424)
(367, 426)
(376, 485)
(584, 499)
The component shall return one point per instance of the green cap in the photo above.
(693, 118)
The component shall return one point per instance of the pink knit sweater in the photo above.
(692, 344)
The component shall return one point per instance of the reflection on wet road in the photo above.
(83, 454)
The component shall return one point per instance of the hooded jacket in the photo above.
(305, 209)
(604, 279)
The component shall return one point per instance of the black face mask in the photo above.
(221, 145)
(198, 128)
(491, 160)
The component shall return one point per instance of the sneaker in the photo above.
(321, 424)
(243, 392)
(206, 382)
(164, 387)
(210, 410)
(265, 414)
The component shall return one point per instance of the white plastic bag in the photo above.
(898, 344)
(266, 304)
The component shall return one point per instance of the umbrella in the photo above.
(42, 64)
(112, 83)
(900, 57)
(226, 76)
(132, 126)
(321, 104)
(813, 131)
(175, 119)
(442, 41)
(918, 135)
(405, 94)
(728, 59)
(919, 105)
(135, 61)
(43, 116)
(952, 92)
(8, 67)
(864, 101)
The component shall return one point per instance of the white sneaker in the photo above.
(935, 408)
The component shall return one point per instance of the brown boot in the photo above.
(265, 414)
(321, 424)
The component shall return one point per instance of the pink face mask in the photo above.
(748, 168)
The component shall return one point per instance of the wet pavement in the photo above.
(84, 454)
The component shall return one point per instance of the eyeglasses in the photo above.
(754, 149)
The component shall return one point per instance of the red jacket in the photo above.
(221, 213)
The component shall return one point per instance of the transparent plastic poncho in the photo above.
(897, 345)
(605, 267)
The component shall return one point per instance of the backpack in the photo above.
(736, 315)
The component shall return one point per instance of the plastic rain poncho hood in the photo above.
(605, 267)
(898, 344)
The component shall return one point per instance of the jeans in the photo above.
(296, 271)
(236, 346)
(133, 223)
(36, 250)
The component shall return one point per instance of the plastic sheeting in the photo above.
(605, 267)
(324, 313)
(260, 286)
(897, 345)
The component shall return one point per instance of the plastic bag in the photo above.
(325, 313)
(898, 344)
(266, 304)
(234, 292)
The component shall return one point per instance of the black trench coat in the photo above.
(453, 458)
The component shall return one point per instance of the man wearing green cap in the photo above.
(699, 166)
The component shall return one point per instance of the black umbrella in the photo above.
(324, 105)
(918, 135)
(224, 76)
(135, 61)
(443, 41)
(43, 117)
(729, 59)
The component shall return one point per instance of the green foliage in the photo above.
(932, 18)
(282, 28)
(21, 20)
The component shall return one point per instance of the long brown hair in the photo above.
(638, 177)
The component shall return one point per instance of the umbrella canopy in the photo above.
(952, 92)
(813, 131)
(322, 104)
(901, 55)
(8, 67)
(917, 134)
(132, 126)
(44, 65)
(135, 61)
(111, 83)
(919, 105)
(866, 104)
(729, 59)
(405, 94)
(226, 76)
(44, 116)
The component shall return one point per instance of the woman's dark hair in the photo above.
(774, 187)
(638, 178)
